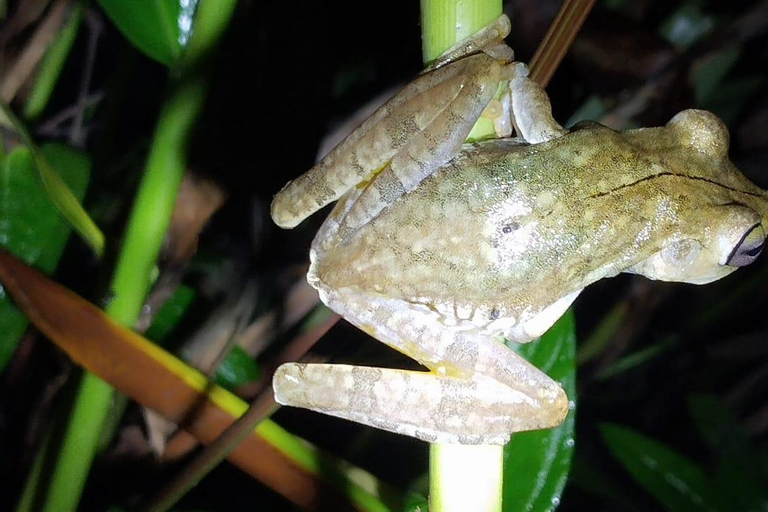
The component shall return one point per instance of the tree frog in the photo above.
(442, 249)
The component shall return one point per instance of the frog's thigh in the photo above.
(430, 407)
(531, 110)
(479, 390)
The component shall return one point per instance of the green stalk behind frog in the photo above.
(441, 249)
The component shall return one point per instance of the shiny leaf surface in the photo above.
(158, 28)
(678, 483)
(537, 463)
(30, 225)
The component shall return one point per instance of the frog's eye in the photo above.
(749, 247)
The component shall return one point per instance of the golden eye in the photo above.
(749, 247)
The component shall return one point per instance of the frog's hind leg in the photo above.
(489, 40)
(478, 390)
(431, 407)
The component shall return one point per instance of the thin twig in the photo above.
(95, 28)
(52, 126)
(558, 39)
(261, 407)
(34, 51)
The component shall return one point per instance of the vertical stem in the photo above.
(465, 477)
(446, 22)
(148, 222)
(462, 477)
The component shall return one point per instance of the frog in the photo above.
(448, 251)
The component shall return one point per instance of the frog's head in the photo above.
(721, 224)
(734, 238)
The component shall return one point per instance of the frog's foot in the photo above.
(479, 391)
(531, 110)
(403, 142)
(489, 40)
(431, 407)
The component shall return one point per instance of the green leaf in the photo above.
(636, 359)
(721, 430)
(56, 188)
(53, 63)
(416, 496)
(30, 225)
(709, 76)
(741, 472)
(686, 25)
(536, 464)
(170, 314)
(159, 28)
(678, 483)
(238, 369)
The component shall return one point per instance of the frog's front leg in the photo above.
(477, 392)
(403, 142)
(531, 110)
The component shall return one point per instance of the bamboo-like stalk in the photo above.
(148, 222)
(462, 477)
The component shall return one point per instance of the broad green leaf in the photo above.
(722, 432)
(678, 483)
(710, 75)
(159, 28)
(536, 464)
(416, 496)
(170, 314)
(686, 25)
(56, 188)
(30, 225)
(237, 369)
(740, 477)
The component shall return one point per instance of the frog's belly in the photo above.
(448, 267)
(495, 316)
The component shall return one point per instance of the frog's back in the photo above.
(485, 228)
(523, 226)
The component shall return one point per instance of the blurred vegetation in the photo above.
(671, 379)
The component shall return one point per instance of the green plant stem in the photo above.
(461, 477)
(53, 63)
(465, 477)
(143, 239)
(446, 22)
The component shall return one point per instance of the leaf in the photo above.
(30, 225)
(536, 464)
(686, 25)
(678, 483)
(170, 314)
(52, 65)
(158, 28)
(56, 188)
(237, 369)
(138, 368)
(741, 472)
(636, 359)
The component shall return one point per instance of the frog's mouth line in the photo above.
(673, 175)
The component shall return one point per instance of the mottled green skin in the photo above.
(512, 228)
